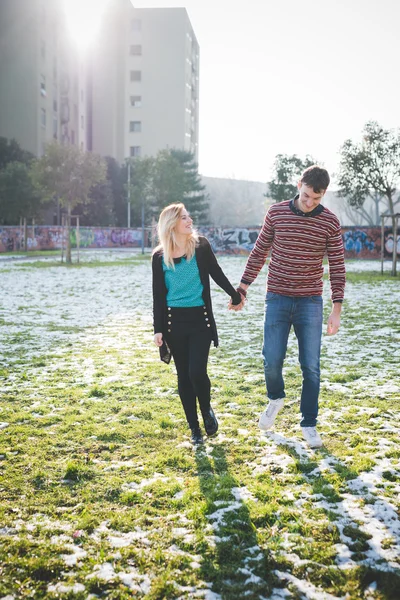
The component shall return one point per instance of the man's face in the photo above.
(308, 199)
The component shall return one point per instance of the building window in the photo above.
(43, 86)
(136, 101)
(82, 122)
(135, 126)
(136, 50)
(135, 150)
(72, 137)
(43, 117)
(136, 75)
(55, 127)
(136, 25)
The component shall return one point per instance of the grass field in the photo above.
(101, 492)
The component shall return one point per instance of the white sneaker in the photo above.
(268, 417)
(310, 434)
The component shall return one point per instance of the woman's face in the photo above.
(184, 225)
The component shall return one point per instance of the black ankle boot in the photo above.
(197, 437)
(210, 421)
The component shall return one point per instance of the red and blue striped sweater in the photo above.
(298, 243)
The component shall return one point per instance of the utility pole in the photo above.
(129, 194)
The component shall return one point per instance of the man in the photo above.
(299, 233)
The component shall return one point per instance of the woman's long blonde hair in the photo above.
(166, 234)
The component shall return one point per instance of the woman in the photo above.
(183, 317)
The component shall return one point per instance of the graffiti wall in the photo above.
(359, 242)
(50, 238)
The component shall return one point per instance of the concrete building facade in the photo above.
(42, 80)
(145, 82)
(135, 93)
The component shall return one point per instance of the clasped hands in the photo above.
(237, 307)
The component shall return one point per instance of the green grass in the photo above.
(97, 470)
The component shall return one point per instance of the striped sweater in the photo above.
(298, 243)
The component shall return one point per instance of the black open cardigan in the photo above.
(208, 265)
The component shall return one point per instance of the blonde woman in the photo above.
(183, 319)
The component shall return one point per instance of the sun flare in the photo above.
(83, 19)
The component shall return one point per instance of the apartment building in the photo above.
(136, 92)
(42, 79)
(145, 82)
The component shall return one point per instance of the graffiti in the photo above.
(231, 240)
(126, 237)
(51, 238)
(86, 237)
(389, 244)
(357, 240)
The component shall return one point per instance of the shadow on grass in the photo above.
(237, 567)
(370, 566)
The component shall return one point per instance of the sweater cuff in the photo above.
(246, 282)
(340, 300)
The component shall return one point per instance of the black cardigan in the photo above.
(208, 265)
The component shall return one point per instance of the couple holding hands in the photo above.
(298, 233)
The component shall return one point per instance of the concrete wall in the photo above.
(359, 242)
(50, 238)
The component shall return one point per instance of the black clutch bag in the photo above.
(165, 352)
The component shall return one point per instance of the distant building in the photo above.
(145, 82)
(136, 93)
(42, 80)
(236, 202)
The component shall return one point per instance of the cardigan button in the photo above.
(169, 322)
(206, 318)
(205, 312)
(169, 308)
(208, 325)
(169, 330)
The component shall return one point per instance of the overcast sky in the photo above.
(290, 76)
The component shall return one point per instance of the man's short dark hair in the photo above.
(316, 177)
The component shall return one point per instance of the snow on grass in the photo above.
(137, 501)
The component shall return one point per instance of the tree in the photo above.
(143, 203)
(116, 175)
(169, 177)
(287, 170)
(106, 206)
(371, 169)
(70, 173)
(18, 196)
(194, 198)
(11, 151)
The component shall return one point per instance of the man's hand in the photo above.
(334, 319)
(158, 339)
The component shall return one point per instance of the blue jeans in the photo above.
(305, 314)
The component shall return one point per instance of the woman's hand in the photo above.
(158, 339)
(236, 307)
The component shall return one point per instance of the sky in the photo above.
(290, 76)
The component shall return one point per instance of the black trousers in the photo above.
(189, 338)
